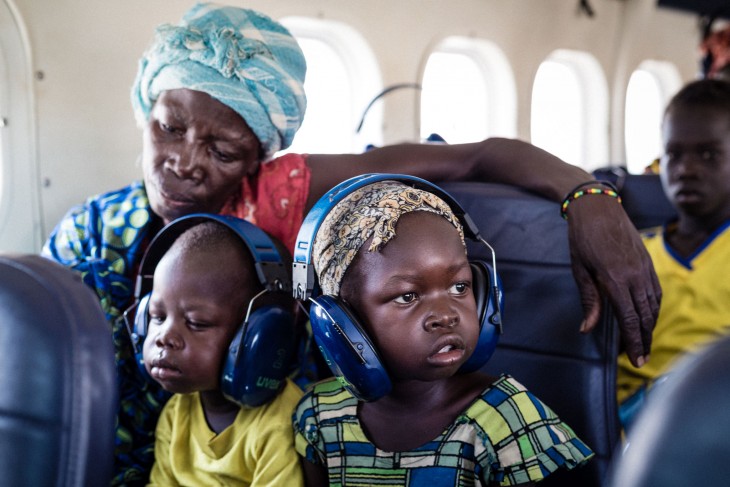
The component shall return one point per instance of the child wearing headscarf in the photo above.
(395, 255)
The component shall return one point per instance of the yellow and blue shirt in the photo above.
(695, 308)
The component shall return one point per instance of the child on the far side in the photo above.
(691, 254)
(201, 291)
(396, 255)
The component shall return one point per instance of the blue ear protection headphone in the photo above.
(347, 349)
(261, 353)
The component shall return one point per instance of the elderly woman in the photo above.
(217, 97)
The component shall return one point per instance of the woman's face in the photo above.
(196, 151)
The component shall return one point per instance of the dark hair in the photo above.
(209, 237)
(713, 93)
(213, 238)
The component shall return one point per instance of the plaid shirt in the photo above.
(507, 436)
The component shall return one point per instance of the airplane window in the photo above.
(342, 78)
(20, 216)
(569, 112)
(2, 161)
(328, 92)
(454, 100)
(649, 90)
(3, 141)
(468, 92)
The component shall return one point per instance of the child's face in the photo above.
(695, 169)
(415, 298)
(196, 305)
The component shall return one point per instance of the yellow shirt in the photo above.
(256, 450)
(695, 306)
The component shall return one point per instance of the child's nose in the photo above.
(688, 164)
(442, 316)
(168, 337)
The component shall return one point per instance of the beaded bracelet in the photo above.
(577, 192)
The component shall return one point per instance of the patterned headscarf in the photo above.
(241, 58)
(370, 211)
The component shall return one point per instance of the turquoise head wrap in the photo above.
(241, 58)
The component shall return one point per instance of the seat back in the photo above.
(681, 436)
(541, 347)
(642, 196)
(57, 377)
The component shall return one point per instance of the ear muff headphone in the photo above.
(261, 354)
(340, 336)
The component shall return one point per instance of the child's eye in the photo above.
(197, 325)
(708, 155)
(459, 288)
(406, 298)
(156, 319)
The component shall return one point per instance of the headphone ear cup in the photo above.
(487, 314)
(139, 333)
(260, 357)
(347, 349)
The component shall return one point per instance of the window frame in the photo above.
(21, 222)
(668, 81)
(361, 65)
(497, 75)
(594, 112)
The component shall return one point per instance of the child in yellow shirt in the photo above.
(217, 330)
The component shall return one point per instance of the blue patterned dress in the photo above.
(104, 240)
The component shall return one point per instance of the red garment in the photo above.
(275, 198)
(717, 44)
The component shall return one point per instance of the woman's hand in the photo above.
(609, 258)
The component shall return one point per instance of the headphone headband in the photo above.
(304, 278)
(270, 269)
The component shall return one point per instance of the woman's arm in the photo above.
(607, 253)
(499, 160)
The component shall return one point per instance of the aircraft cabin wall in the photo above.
(71, 133)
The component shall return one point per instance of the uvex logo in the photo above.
(267, 383)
